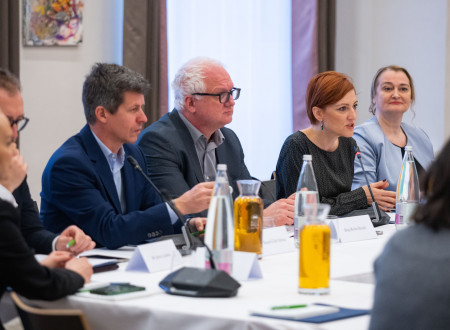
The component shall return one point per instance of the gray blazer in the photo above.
(383, 160)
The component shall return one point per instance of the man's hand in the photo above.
(57, 259)
(197, 224)
(83, 242)
(82, 267)
(282, 211)
(15, 173)
(195, 200)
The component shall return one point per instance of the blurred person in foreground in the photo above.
(382, 138)
(412, 273)
(331, 106)
(38, 238)
(57, 275)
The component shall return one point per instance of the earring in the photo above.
(321, 126)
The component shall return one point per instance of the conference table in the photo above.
(351, 286)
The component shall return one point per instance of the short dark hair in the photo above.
(9, 82)
(105, 86)
(324, 89)
(435, 213)
(373, 87)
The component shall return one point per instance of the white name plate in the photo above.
(351, 229)
(246, 266)
(276, 240)
(155, 257)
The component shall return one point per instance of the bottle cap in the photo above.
(221, 167)
(408, 148)
(307, 157)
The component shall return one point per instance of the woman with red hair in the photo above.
(331, 105)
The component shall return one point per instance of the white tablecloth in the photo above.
(351, 266)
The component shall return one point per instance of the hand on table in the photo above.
(83, 242)
(57, 259)
(282, 211)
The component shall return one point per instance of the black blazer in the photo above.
(31, 226)
(21, 271)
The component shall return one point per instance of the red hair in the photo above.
(324, 89)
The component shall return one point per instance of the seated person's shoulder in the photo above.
(70, 155)
(228, 133)
(161, 128)
(296, 139)
(368, 127)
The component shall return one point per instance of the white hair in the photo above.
(190, 79)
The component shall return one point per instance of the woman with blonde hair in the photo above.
(382, 139)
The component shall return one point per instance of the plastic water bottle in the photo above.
(219, 233)
(408, 193)
(307, 193)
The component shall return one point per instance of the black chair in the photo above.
(269, 190)
(34, 318)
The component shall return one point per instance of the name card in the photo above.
(154, 257)
(351, 229)
(245, 266)
(276, 240)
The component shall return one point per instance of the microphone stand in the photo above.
(185, 230)
(381, 219)
(188, 281)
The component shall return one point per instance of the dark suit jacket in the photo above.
(31, 226)
(21, 271)
(172, 160)
(78, 188)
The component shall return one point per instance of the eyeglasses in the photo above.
(224, 97)
(20, 122)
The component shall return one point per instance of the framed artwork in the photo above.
(52, 22)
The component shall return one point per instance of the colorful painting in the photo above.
(52, 22)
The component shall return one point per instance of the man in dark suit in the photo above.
(19, 268)
(183, 147)
(38, 238)
(88, 180)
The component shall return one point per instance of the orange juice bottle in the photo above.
(314, 269)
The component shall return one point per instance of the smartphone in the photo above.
(117, 288)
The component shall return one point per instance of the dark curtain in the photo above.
(326, 32)
(145, 50)
(313, 39)
(9, 35)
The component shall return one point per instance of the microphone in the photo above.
(381, 218)
(187, 247)
(189, 281)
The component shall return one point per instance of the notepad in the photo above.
(295, 314)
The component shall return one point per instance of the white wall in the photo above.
(409, 33)
(370, 34)
(252, 39)
(52, 79)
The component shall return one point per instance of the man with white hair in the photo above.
(183, 147)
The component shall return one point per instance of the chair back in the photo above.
(34, 318)
(268, 191)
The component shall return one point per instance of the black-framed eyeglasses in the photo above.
(20, 122)
(224, 97)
